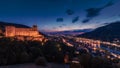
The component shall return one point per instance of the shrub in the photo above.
(41, 61)
(75, 65)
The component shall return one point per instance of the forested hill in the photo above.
(106, 33)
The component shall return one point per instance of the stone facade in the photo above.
(23, 33)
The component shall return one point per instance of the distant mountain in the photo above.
(106, 33)
(69, 32)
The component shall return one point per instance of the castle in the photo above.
(23, 33)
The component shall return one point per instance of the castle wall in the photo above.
(22, 31)
(31, 33)
(26, 32)
(10, 31)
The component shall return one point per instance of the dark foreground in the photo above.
(32, 65)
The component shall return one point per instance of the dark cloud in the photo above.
(60, 26)
(59, 19)
(93, 12)
(86, 20)
(75, 19)
(64, 25)
(70, 12)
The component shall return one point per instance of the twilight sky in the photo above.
(59, 15)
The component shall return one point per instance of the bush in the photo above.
(75, 65)
(14, 51)
(41, 61)
(118, 65)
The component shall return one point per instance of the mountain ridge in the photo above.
(105, 33)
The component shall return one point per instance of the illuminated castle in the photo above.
(23, 33)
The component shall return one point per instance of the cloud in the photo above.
(75, 19)
(60, 26)
(86, 20)
(59, 19)
(70, 12)
(93, 12)
(64, 25)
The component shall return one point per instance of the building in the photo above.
(23, 33)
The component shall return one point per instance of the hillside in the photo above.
(106, 33)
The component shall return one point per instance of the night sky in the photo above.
(59, 15)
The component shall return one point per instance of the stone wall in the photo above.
(20, 33)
